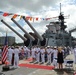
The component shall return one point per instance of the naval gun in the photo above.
(27, 35)
(23, 38)
(29, 42)
(41, 41)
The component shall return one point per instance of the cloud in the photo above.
(33, 5)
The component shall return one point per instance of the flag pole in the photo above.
(5, 50)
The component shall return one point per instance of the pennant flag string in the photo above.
(30, 18)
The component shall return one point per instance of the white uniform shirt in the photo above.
(25, 49)
(37, 50)
(16, 52)
(33, 52)
(42, 51)
(28, 50)
(10, 51)
(55, 53)
(74, 51)
(49, 51)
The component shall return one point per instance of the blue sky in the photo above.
(36, 8)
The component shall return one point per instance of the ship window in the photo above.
(51, 36)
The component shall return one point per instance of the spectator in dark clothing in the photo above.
(60, 59)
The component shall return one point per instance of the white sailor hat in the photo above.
(48, 46)
(55, 47)
(24, 46)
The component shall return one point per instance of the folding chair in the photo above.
(69, 64)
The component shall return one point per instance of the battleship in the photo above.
(55, 35)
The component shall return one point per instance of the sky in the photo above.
(36, 8)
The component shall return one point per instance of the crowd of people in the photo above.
(40, 54)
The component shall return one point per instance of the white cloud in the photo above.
(33, 5)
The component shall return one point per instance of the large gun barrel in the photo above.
(27, 34)
(23, 38)
(32, 28)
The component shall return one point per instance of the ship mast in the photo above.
(61, 19)
(60, 8)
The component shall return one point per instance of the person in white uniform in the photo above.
(28, 52)
(71, 50)
(42, 51)
(33, 55)
(49, 52)
(16, 57)
(22, 53)
(55, 51)
(37, 51)
(0, 54)
(10, 53)
(25, 51)
(75, 54)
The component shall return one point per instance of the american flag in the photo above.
(5, 50)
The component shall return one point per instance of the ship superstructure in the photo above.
(55, 36)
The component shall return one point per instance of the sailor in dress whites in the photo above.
(22, 52)
(37, 51)
(33, 55)
(49, 52)
(75, 54)
(16, 57)
(42, 51)
(0, 54)
(55, 51)
(28, 52)
(25, 51)
(10, 53)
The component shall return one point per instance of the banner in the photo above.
(30, 18)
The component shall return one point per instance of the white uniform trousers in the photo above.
(43, 58)
(16, 61)
(75, 58)
(28, 55)
(38, 57)
(10, 59)
(54, 62)
(49, 58)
